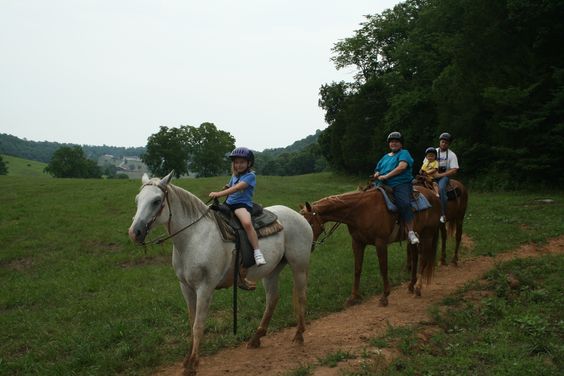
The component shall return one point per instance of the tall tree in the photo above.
(167, 150)
(208, 146)
(70, 162)
(188, 149)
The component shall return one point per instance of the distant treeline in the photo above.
(490, 72)
(301, 157)
(43, 151)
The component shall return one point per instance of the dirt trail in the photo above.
(350, 329)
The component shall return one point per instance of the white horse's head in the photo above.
(152, 207)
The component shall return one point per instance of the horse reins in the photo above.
(326, 234)
(166, 200)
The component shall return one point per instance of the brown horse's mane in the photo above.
(342, 203)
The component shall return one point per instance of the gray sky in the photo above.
(112, 72)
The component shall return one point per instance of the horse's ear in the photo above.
(308, 207)
(164, 181)
(145, 178)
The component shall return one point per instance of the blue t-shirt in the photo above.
(246, 195)
(389, 162)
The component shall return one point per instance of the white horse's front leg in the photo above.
(198, 318)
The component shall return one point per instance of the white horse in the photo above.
(204, 262)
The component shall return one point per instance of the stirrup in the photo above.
(245, 284)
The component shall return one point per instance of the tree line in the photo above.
(490, 72)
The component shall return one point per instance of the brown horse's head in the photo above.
(313, 218)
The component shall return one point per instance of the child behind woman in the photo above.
(430, 167)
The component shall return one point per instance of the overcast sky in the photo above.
(112, 72)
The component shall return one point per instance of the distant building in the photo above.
(132, 166)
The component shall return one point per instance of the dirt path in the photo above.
(350, 330)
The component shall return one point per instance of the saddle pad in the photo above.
(265, 224)
(418, 204)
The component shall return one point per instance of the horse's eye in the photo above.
(156, 203)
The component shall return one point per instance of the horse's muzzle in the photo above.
(137, 233)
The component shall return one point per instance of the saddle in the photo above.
(418, 201)
(452, 192)
(264, 222)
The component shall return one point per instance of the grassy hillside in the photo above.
(78, 298)
(24, 167)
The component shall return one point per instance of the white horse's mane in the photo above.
(191, 205)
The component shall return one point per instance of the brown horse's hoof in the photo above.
(254, 343)
(298, 338)
(189, 369)
(443, 262)
(353, 300)
(383, 301)
(418, 293)
(410, 288)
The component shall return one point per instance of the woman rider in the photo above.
(394, 170)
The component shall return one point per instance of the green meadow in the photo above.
(78, 297)
(24, 167)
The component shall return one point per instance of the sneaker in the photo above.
(442, 219)
(259, 258)
(413, 239)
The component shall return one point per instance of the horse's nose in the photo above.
(136, 234)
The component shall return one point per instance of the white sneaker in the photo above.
(259, 258)
(413, 239)
(442, 219)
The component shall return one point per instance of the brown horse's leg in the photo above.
(272, 297)
(382, 251)
(358, 250)
(413, 259)
(443, 230)
(458, 240)
(421, 266)
(408, 259)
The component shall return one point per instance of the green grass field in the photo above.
(24, 167)
(78, 297)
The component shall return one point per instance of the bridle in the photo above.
(326, 234)
(165, 200)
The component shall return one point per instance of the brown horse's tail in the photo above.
(430, 257)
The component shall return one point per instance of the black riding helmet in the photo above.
(445, 136)
(431, 149)
(243, 152)
(395, 136)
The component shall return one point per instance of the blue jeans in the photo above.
(402, 194)
(443, 182)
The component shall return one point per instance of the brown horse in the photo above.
(370, 223)
(455, 211)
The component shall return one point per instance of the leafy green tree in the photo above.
(167, 150)
(489, 72)
(70, 162)
(208, 147)
(200, 150)
(3, 167)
